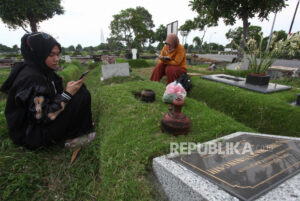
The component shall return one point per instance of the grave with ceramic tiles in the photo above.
(241, 82)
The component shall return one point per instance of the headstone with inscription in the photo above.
(241, 166)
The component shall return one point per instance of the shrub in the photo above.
(238, 73)
(92, 64)
(139, 63)
(121, 60)
(76, 63)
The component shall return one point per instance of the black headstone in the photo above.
(247, 173)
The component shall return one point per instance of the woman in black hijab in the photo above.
(39, 112)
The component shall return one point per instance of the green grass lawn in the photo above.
(267, 113)
(117, 164)
(133, 137)
(4, 72)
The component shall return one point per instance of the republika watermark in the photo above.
(226, 148)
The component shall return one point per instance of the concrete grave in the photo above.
(283, 72)
(243, 65)
(270, 172)
(115, 70)
(241, 82)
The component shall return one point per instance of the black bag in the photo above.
(185, 81)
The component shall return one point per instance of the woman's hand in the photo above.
(164, 58)
(73, 86)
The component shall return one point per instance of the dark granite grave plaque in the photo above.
(243, 173)
(241, 82)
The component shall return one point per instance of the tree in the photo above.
(15, 48)
(114, 44)
(160, 36)
(280, 35)
(20, 13)
(71, 48)
(199, 23)
(102, 46)
(186, 28)
(230, 11)
(78, 48)
(4, 48)
(236, 34)
(132, 26)
(197, 42)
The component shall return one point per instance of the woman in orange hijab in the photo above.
(172, 60)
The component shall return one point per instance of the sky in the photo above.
(83, 21)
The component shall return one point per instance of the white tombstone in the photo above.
(133, 51)
(67, 58)
(115, 70)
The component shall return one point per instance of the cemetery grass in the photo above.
(130, 136)
(45, 174)
(4, 72)
(266, 113)
(293, 82)
(115, 166)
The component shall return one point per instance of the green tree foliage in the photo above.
(132, 26)
(4, 48)
(160, 36)
(236, 34)
(188, 26)
(15, 48)
(71, 48)
(114, 44)
(78, 48)
(20, 13)
(198, 23)
(280, 35)
(197, 42)
(230, 11)
(102, 46)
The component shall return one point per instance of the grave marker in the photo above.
(247, 176)
(269, 172)
(134, 52)
(115, 70)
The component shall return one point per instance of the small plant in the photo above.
(259, 60)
